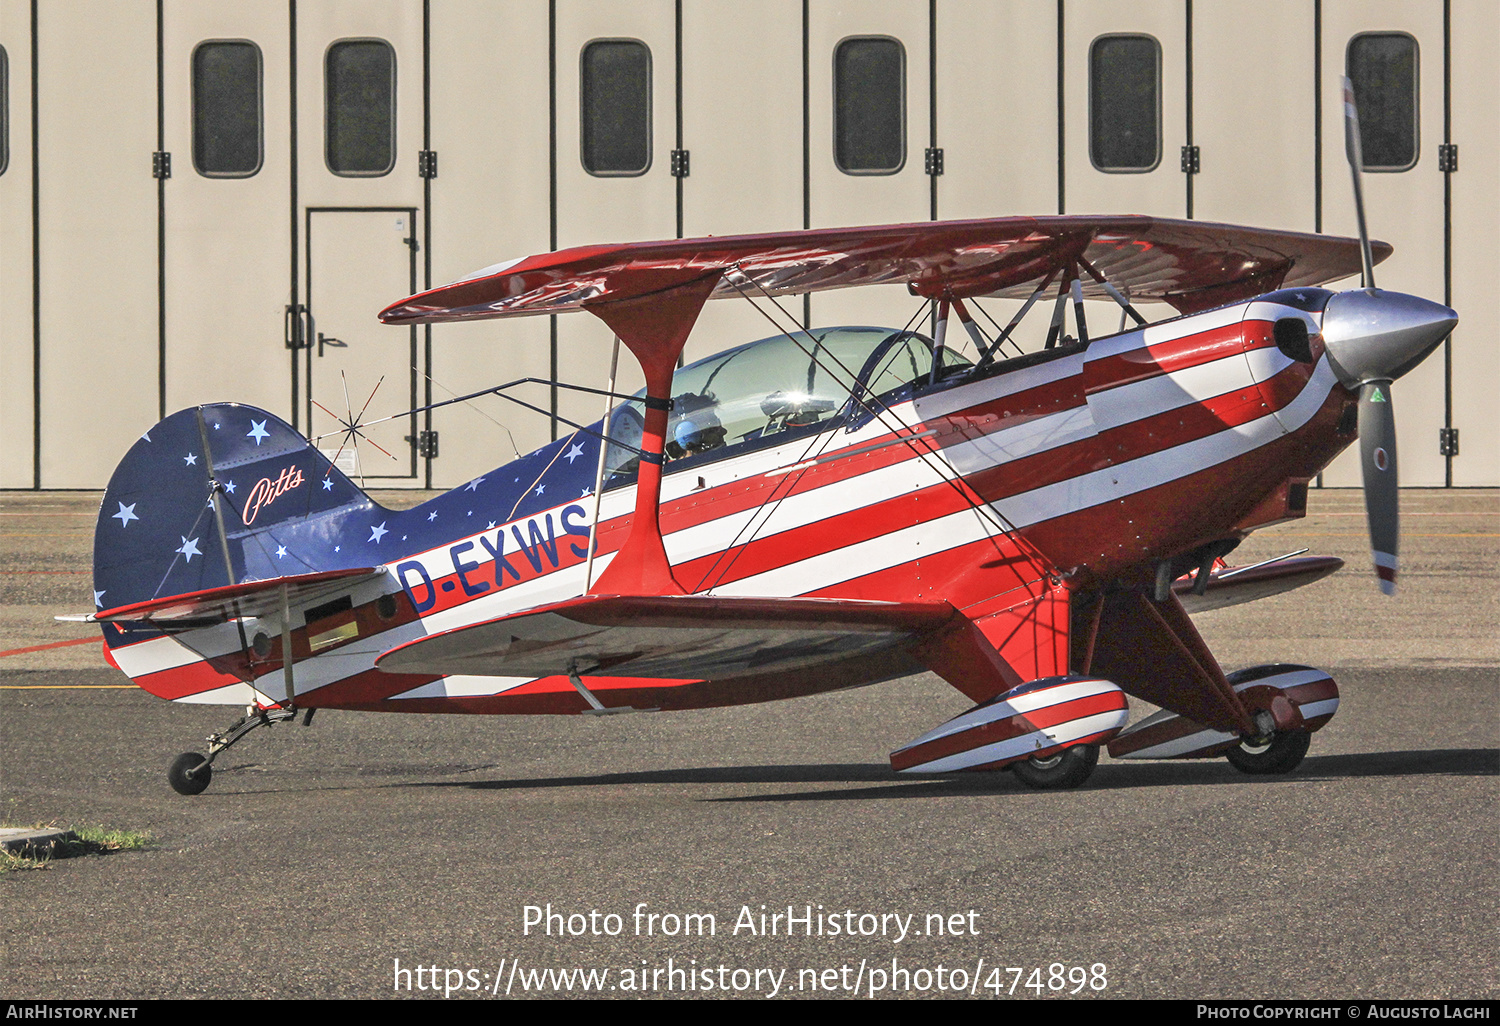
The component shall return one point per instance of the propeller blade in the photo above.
(1377, 460)
(1356, 165)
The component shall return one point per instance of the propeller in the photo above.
(1372, 338)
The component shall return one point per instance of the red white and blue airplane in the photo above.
(821, 509)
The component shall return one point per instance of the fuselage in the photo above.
(1084, 464)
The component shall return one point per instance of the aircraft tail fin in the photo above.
(280, 504)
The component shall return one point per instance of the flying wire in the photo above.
(981, 508)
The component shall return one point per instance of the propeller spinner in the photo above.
(1373, 337)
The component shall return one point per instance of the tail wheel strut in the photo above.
(190, 773)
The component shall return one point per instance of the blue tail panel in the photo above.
(285, 507)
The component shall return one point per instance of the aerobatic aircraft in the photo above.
(820, 509)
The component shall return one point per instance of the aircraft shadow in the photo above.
(1461, 762)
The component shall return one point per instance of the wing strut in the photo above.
(283, 593)
(609, 407)
(654, 326)
(989, 353)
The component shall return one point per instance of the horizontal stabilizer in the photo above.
(1230, 587)
(700, 637)
(251, 598)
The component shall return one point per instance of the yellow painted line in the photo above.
(1363, 534)
(65, 687)
(1408, 513)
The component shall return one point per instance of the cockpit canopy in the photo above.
(777, 389)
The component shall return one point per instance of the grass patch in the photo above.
(10, 863)
(96, 840)
(85, 840)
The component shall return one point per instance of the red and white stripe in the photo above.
(1166, 735)
(1037, 721)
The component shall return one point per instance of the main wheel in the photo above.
(1282, 754)
(190, 773)
(1067, 768)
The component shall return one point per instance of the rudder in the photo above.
(282, 505)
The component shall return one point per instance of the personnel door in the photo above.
(354, 366)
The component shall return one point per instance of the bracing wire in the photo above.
(981, 508)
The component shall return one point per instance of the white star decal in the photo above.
(540, 489)
(337, 548)
(189, 549)
(376, 533)
(210, 502)
(126, 514)
(583, 493)
(473, 484)
(469, 514)
(491, 526)
(574, 452)
(229, 487)
(258, 431)
(98, 596)
(432, 516)
(280, 551)
(328, 484)
(147, 436)
(190, 459)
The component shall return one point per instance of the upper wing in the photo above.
(1190, 264)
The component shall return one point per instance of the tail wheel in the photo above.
(190, 773)
(1060, 770)
(1282, 754)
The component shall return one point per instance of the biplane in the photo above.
(820, 509)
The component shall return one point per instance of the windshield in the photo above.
(774, 390)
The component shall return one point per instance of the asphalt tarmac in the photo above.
(377, 855)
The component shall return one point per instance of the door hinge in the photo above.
(427, 444)
(161, 164)
(1447, 441)
(1190, 162)
(427, 163)
(932, 160)
(1448, 158)
(680, 163)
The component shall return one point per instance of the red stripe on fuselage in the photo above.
(1135, 365)
(984, 417)
(181, 681)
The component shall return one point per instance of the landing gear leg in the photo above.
(190, 773)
